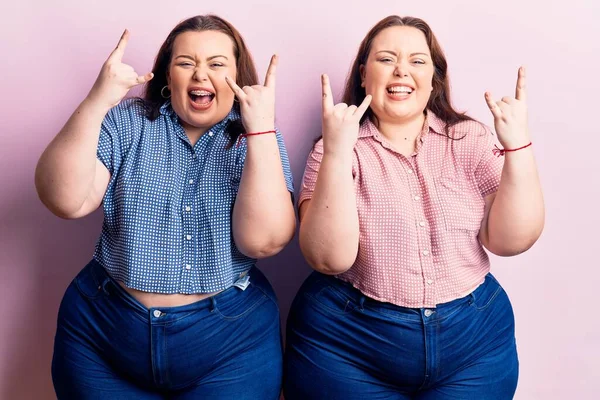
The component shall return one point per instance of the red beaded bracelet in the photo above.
(500, 152)
(243, 135)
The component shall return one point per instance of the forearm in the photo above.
(65, 172)
(329, 230)
(263, 214)
(516, 216)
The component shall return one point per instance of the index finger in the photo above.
(327, 95)
(270, 78)
(520, 92)
(120, 49)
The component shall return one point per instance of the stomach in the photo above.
(160, 300)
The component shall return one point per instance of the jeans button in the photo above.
(428, 313)
(157, 313)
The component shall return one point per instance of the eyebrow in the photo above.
(411, 55)
(209, 58)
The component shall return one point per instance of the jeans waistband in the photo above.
(111, 286)
(442, 309)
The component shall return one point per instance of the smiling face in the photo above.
(398, 74)
(199, 64)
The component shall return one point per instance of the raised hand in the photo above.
(257, 102)
(340, 122)
(116, 78)
(510, 115)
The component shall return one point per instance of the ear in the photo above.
(168, 75)
(361, 69)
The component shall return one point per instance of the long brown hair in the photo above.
(439, 101)
(152, 99)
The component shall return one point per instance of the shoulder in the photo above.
(128, 114)
(472, 129)
(472, 136)
(129, 107)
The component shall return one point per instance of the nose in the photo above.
(401, 69)
(200, 74)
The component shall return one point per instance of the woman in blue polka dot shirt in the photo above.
(195, 185)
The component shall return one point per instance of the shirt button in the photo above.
(188, 208)
(429, 281)
(410, 171)
(428, 313)
(191, 181)
(157, 313)
(188, 237)
(425, 252)
(422, 223)
(417, 198)
(188, 266)
(210, 133)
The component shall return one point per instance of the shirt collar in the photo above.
(432, 122)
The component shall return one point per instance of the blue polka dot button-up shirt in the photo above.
(168, 206)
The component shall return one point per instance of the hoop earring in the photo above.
(163, 94)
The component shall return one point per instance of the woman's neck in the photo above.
(401, 131)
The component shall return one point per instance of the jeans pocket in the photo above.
(241, 303)
(486, 294)
(88, 282)
(332, 300)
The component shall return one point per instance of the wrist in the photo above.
(500, 152)
(338, 149)
(251, 132)
(96, 106)
(255, 134)
(513, 142)
(94, 101)
(260, 126)
(338, 154)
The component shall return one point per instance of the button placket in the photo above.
(189, 221)
(423, 234)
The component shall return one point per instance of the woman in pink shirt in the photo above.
(399, 199)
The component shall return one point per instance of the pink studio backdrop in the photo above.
(52, 51)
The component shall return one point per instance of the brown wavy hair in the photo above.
(152, 99)
(439, 101)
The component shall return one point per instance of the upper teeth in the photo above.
(200, 93)
(398, 89)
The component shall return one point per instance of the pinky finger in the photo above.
(144, 78)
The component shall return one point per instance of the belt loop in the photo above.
(361, 302)
(105, 283)
(213, 303)
(472, 297)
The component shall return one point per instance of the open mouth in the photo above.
(399, 91)
(201, 98)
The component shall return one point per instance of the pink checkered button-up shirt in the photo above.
(419, 216)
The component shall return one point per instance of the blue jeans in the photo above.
(344, 345)
(109, 346)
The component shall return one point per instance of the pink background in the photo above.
(51, 53)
